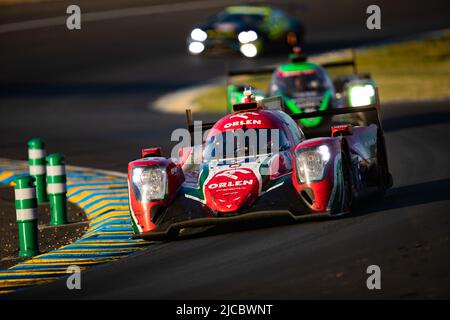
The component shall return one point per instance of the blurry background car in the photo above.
(250, 30)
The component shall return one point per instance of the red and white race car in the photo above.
(256, 163)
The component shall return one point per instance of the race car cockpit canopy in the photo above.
(295, 78)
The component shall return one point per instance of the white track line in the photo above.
(117, 14)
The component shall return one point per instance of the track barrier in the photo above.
(56, 189)
(26, 215)
(36, 161)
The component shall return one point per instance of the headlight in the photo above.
(199, 35)
(249, 50)
(150, 183)
(311, 163)
(361, 95)
(196, 47)
(247, 36)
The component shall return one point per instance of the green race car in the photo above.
(307, 87)
(304, 87)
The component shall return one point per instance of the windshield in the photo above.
(244, 144)
(248, 19)
(298, 82)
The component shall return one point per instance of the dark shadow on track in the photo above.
(396, 198)
(408, 196)
(416, 120)
(236, 227)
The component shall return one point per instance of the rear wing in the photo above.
(254, 71)
(347, 110)
(335, 112)
(269, 69)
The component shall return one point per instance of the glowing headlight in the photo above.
(324, 152)
(151, 183)
(196, 47)
(199, 35)
(311, 163)
(249, 50)
(247, 36)
(361, 95)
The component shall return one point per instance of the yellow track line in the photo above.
(73, 190)
(112, 196)
(108, 215)
(25, 282)
(105, 210)
(106, 202)
(50, 262)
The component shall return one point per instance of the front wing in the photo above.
(184, 213)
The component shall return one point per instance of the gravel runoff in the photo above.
(50, 237)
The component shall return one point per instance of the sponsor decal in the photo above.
(242, 123)
(246, 121)
(230, 184)
(233, 178)
(232, 173)
(231, 188)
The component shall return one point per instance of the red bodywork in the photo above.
(228, 190)
(142, 211)
(250, 119)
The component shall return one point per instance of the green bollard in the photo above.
(26, 215)
(56, 189)
(36, 161)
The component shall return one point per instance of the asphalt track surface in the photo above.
(89, 93)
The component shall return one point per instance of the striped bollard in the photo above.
(26, 216)
(36, 161)
(56, 189)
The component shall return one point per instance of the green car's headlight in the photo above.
(361, 95)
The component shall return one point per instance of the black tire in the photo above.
(172, 235)
(384, 177)
(348, 183)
